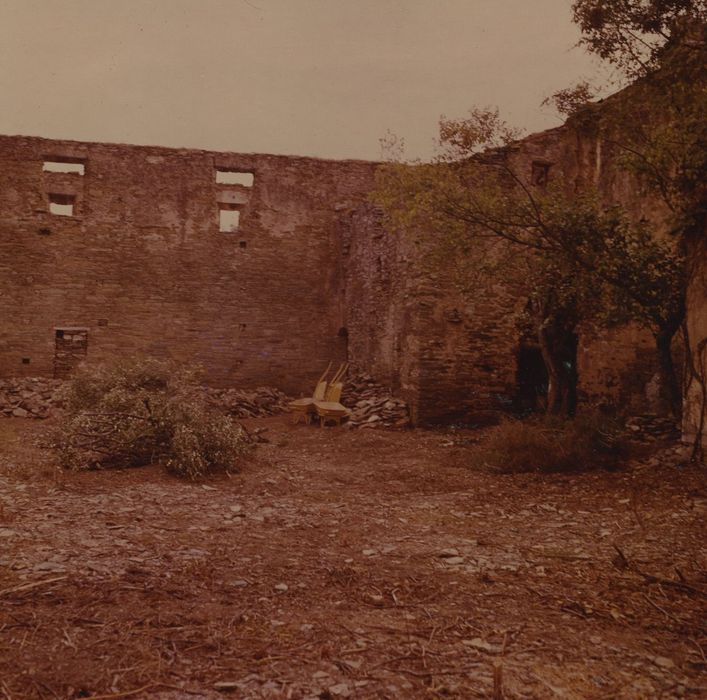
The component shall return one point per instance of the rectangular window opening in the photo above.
(228, 220)
(62, 204)
(234, 177)
(64, 165)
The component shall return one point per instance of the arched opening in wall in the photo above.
(531, 379)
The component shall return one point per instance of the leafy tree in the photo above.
(658, 126)
(659, 123)
(587, 262)
(636, 35)
(571, 101)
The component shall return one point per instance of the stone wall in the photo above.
(308, 276)
(696, 392)
(142, 267)
(462, 352)
(380, 300)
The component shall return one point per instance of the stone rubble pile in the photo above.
(650, 428)
(28, 397)
(36, 397)
(372, 405)
(244, 403)
(672, 456)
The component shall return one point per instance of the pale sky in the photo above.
(322, 78)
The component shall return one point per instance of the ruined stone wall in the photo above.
(616, 366)
(310, 275)
(696, 392)
(142, 267)
(378, 298)
(390, 304)
(449, 357)
(453, 356)
(462, 351)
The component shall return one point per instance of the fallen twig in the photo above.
(126, 694)
(650, 578)
(29, 586)
(136, 691)
(659, 609)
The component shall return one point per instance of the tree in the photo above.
(660, 130)
(588, 263)
(635, 35)
(659, 124)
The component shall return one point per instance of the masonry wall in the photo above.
(695, 407)
(381, 303)
(143, 267)
(310, 276)
(462, 351)
(451, 358)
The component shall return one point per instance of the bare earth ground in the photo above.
(320, 571)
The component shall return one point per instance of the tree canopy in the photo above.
(580, 261)
(636, 35)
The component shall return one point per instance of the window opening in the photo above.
(64, 166)
(62, 204)
(234, 177)
(229, 220)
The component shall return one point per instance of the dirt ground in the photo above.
(349, 564)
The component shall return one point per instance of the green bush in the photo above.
(551, 445)
(139, 412)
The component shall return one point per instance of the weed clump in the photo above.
(552, 446)
(140, 412)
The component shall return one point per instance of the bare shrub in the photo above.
(139, 412)
(552, 445)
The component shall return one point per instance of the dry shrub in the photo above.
(551, 445)
(143, 411)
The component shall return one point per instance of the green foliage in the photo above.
(658, 125)
(570, 102)
(577, 260)
(660, 133)
(635, 35)
(482, 208)
(586, 442)
(642, 278)
(139, 412)
(202, 441)
(483, 130)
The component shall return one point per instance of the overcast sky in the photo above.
(324, 78)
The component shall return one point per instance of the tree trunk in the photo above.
(670, 393)
(559, 350)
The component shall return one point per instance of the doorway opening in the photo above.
(70, 349)
(531, 380)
